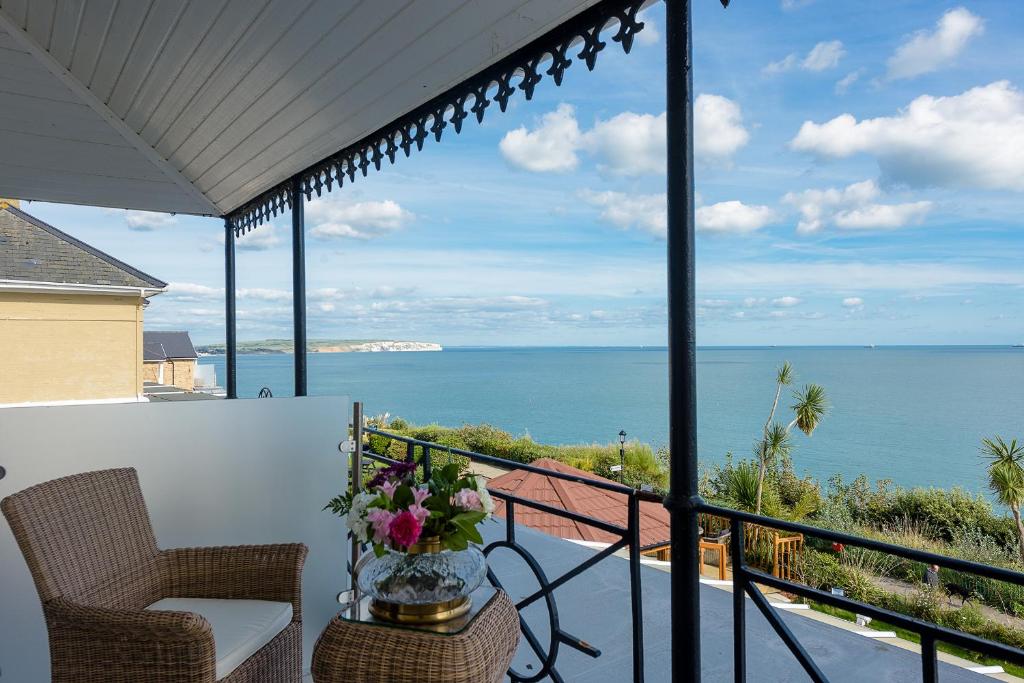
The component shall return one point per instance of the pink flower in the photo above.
(388, 488)
(420, 495)
(421, 513)
(468, 499)
(380, 520)
(405, 529)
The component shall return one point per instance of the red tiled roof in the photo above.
(587, 500)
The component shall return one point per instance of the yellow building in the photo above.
(70, 317)
(169, 359)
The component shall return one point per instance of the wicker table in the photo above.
(355, 647)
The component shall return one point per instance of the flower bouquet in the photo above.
(424, 563)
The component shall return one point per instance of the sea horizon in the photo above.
(911, 414)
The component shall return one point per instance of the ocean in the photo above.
(914, 415)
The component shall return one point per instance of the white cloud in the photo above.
(790, 5)
(714, 303)
(752, 301)
(551, 147)
(718, 128)
(853, 207)
(785, 64)
(647, 212)
(968, 140)
(362, 220)
(786, 302)
(844, 83)
(928, 51)
(148, 220)
(261, 238)
(263, 294)
(882, 216)
(628, 143)
(854, 302)
(825, 55)
(650, 35)
(644, 211)
(190, 291)
(734, 217)
(837, 276)
(326, 307)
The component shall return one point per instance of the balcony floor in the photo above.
(595, 607)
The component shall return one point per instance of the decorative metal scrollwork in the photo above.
(521, 70)
(556, 636)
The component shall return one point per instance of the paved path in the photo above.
(903, 588)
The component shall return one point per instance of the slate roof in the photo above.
(33, 250)
(587, 500)
(157, 346)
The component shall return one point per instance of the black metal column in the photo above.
(230, 339)
(299, 284)
(683, 498)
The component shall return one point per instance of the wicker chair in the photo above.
(88, 542)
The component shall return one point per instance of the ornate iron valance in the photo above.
(580, 37)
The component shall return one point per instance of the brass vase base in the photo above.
(434, 613)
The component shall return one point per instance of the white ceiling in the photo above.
(196, 107)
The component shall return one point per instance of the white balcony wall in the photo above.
(212, 473)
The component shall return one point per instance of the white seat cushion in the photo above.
(240, 627)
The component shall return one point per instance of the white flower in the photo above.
(356, 520)
(485, 498)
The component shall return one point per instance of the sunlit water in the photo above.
(915, 415)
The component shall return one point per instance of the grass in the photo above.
(970, 655)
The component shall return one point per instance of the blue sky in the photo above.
(860, 180)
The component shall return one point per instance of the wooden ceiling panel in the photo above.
(198, 107)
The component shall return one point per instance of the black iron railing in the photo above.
(628, 537)
(745, 579)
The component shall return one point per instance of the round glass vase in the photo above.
(424, 585)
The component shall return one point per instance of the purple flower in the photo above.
(398, 471)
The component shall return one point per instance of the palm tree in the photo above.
(809, 409)
(1006, 478)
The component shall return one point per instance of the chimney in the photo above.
(4, 203)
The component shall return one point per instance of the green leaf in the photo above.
(379, 550)
(471, 517)
(470, 531)
(456, 541)
(450, 471)
(403, 497)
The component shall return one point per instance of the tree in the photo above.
(1006, 478)
(775, 443)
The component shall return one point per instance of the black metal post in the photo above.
(683, 499)
(635, 588)
(739, 606)
(622, 456)
(357, 474)
(230, 339)
(299, 284)
(929, 659)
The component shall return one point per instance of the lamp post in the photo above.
(622, 453)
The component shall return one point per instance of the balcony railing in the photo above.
(745, 577)
(628, 537)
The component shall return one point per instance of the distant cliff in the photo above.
(323, 346)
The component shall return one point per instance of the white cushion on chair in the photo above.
(240, 627)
